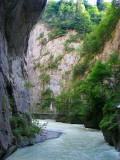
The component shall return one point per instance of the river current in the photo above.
(76, 143)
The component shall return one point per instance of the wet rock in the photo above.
(113, 136)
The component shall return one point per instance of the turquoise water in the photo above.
(76, 143)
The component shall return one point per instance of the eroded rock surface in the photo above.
(17, 18)
(41, 56)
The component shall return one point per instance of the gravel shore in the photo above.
(46, 134)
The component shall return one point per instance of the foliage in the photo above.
(82, 21)
(109, 121)
(100, 93)
(68, 48)
(46, 53)
(67, 72)
(62, 103)
(52, 64)
(63, 15)
(80, 69)
(58, 32)
(95, 15)
(103, 6)
(45, 77)
(43, 41)
(27, 84)
(36, 65)
(41, 35)
(75, 38)
(22, 129)
(95, 41)
(47, 99)
(94, 99)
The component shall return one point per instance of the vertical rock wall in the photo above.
(17, 18)
(39, 55)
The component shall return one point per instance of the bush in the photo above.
(47, 98)
(67, 48)
(56, 33)
(43, 41)
(40, 36)
(74, 38)
(80, 69)
(28, 85)
(36, 65)
(52, 64)
(62, 103)
(109, 121)
(22, 129)
(45, 77)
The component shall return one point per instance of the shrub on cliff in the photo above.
(95, 41)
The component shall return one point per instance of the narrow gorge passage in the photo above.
(62, 64)
(76, 143)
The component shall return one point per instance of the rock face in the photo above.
(113, 136)
(49, 58)
(17, 18)
(111, 45)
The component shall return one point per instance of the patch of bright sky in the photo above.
(92, 2)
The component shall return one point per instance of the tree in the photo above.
(99, 2)
(45, 78)
(82, 20)
(47, 98)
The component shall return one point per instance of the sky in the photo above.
(92, 2)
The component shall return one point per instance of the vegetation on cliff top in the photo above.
(63, 15)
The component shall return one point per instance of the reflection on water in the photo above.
(76, 143)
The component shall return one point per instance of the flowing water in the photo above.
(76, 143)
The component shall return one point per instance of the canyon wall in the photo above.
(50, 58)
(17, 18)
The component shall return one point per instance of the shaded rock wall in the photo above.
(17, 18)
(113, 136)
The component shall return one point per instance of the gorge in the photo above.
(70, 66)
(60, 70)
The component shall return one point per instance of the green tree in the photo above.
(62, 103)
(47, 98)
(45, 78)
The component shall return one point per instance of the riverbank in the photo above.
(76, 143)
(45, 135)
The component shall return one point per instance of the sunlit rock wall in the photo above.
(36, 54)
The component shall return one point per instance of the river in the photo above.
(76, 143)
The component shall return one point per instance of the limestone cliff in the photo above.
(17, 18)
(50, 58)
